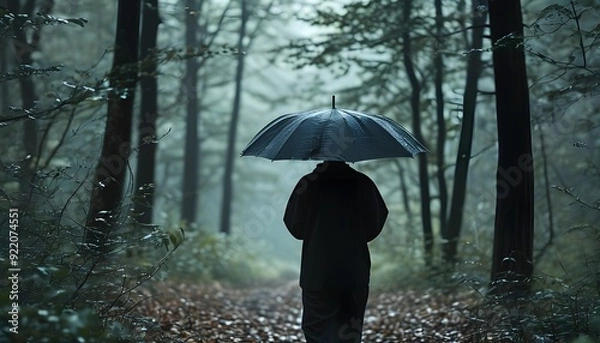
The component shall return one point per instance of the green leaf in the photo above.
(173, 238)
(77, 21)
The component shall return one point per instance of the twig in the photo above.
(580, 35)
(61, 141)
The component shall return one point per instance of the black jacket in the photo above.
(335, 210)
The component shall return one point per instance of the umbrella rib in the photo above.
(368, 132)
(413, 143)
(391, 128)
(293, 132)
(320, 140)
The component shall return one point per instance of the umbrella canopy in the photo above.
(333, 134)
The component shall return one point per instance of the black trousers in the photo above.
(332, 316)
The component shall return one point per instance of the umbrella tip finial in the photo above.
(333, 101)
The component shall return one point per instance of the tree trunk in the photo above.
(189, 191)
(438, 62)
(230, 154)
(415, 101)
(23, 48)
(547, 191)
(4, 48)
(144, 186)
(3, 85)
(109, 177)
(461, 171)
(404, 194)
(512, 260)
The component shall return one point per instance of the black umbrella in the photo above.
(334, 134)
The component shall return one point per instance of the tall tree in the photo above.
(23, 48)
(415, 105)
(459, 189)
(438, 65)
(512, 260)
(225, 226)
(189, 199)
(203, 28)
(144, 186)
(109, 176)
(4, 63)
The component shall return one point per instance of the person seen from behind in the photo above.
(335, 210)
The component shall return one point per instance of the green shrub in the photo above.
(207, 256)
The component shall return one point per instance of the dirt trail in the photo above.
(212, 313)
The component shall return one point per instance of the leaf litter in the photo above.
(213, 313)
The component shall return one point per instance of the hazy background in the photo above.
(273, 86)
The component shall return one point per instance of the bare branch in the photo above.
(576, 18)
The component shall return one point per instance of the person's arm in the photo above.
(296, 211)
(375, 211)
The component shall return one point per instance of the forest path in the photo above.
(212, 313)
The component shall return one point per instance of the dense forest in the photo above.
(127, 213)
